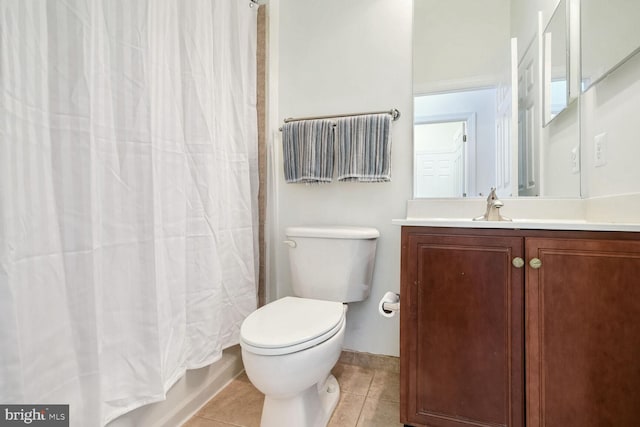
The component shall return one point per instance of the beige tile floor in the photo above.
(369, 398)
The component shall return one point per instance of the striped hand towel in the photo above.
(364, 148)
(308, 151)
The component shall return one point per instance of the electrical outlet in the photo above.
(600, 149)
(575, 160)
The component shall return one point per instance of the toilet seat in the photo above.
(291, 324)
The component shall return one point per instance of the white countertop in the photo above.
(519, 224)
(611, 213)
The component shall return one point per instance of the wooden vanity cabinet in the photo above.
(461, 329)
(582, 344)
(487, 343)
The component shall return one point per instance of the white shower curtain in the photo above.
(128, 191)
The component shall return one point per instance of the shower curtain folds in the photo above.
(128, 192)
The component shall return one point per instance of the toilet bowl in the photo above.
(290, 345)
(289, 348)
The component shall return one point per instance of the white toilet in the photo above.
(289, 346)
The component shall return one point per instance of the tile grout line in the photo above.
(381, 399)
(366, 396)
(375, 371)
(219, 421)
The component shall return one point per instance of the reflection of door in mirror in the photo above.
(505, 167)
(440, 151)
(528, 123)
(476, 107)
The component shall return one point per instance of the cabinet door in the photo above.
(461, 331)
(583, 333)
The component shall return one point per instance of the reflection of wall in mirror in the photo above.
(561, 137)
(459, 44)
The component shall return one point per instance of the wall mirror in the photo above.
(556, 64)
(464, 49)
(610, 34)
(462, 53)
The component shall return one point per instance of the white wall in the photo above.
(337, 56)
(612, 106)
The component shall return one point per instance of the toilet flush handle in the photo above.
(290, 243)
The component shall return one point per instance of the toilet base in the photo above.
(311, 408)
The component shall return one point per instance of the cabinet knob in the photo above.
(535, 263)
(517, 262)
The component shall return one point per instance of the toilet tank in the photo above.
(333, 263)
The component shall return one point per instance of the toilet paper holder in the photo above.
(389, 307)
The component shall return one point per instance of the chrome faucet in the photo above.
(493, 209)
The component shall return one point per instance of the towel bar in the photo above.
(395, 113)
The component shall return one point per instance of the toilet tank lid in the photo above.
(333, 232)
